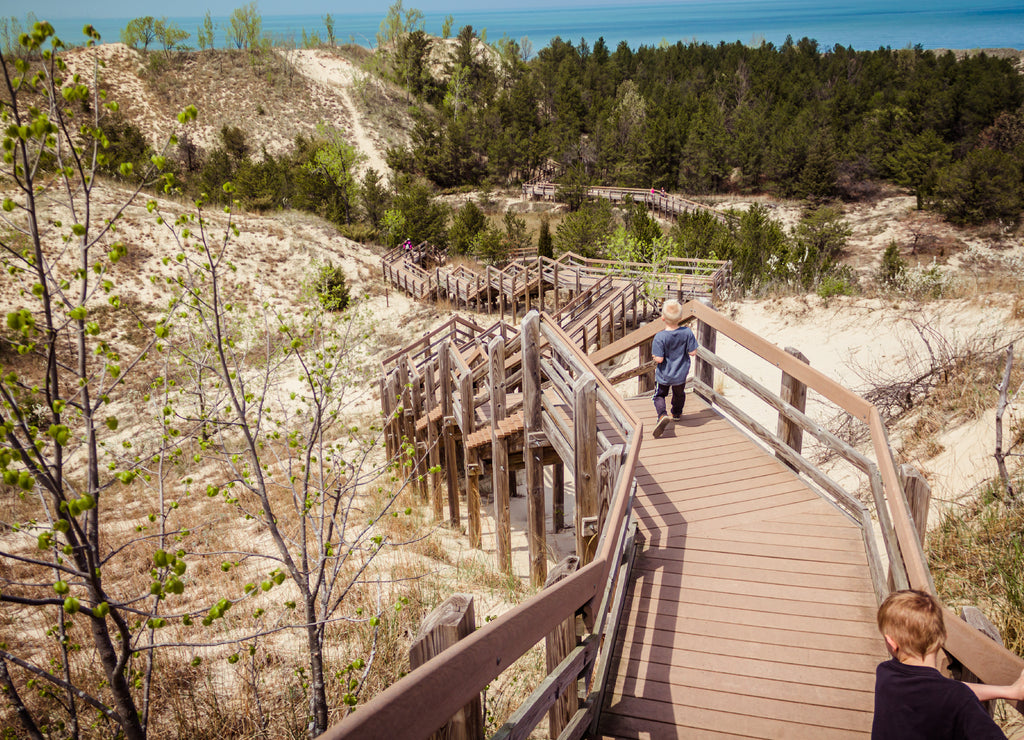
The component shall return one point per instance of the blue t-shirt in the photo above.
(675, 346)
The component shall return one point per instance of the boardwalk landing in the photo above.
(751, 613)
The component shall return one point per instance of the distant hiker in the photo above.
(913, 701)
(672, 348)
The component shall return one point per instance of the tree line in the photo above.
(793, 120)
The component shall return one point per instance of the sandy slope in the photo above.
(336, 77)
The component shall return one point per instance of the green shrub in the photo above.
(833, 285)
(331, 289)
(893, 271)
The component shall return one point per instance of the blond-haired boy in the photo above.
(913, 700)
(672, 348)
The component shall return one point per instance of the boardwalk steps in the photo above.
(726, 586)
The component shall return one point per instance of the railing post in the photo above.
(557, 646)
(977, 619)
(501, 292)
(514, 298)
(450, 622)
(558, 300)
(471, 459)
(919, 497)
(645, 382)
(432, 441)
(532, 450)
(794, 393)
(585, 467)
(707, 337)
(558, 497)
(447, 422)
(499, 458)
(540, 283)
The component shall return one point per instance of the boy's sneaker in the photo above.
(659, 428)
(677, 418)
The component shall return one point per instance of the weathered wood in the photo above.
(501, 293)
(534, 463)
(1000, 454)
(433, 443)
(471, 458)
(919, 498)
(448, 435)
(646, 382)
(540, 284)
(585, 467)
(450, 622)
(793, 392)
(558, 291)
(499, 457)
(419, 439)
(977, 619)
(513, 298)
(521, 723)
(558, 497)
(557, 646)
(707, 337)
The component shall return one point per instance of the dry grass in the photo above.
(976, 556)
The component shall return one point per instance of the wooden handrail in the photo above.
(438, 688)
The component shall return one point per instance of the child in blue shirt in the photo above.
(672, 348)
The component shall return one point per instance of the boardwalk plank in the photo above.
(751, 611)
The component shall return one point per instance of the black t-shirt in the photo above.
(919, 703)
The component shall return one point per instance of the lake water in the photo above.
(863, 25)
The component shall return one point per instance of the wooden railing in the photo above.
(564, 397)
(527, 279)
(987, 659)
(666, 203)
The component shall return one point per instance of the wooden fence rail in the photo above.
(562, 397)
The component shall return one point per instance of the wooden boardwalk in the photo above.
(751, 612)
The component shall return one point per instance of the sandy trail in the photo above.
(337, 76)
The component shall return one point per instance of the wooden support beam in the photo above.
(534, 455)
(419, 438)
(585, 468)
(432, 442)
(646, 381)
(448, 435)
(707, 337)
(793, 392)
(558, 497)
(450, 622)
(919, 498)
(471, 459)
(557, 646)
(499, 457)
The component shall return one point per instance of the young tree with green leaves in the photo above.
(545, 246)
(99, 429)
(585, 231)
(374, 198)
(467, 222)
(205, 33)
(245, 26)
(329, 25)
(333, 165)
(169, 34)
(60, 405)
(140, 31)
